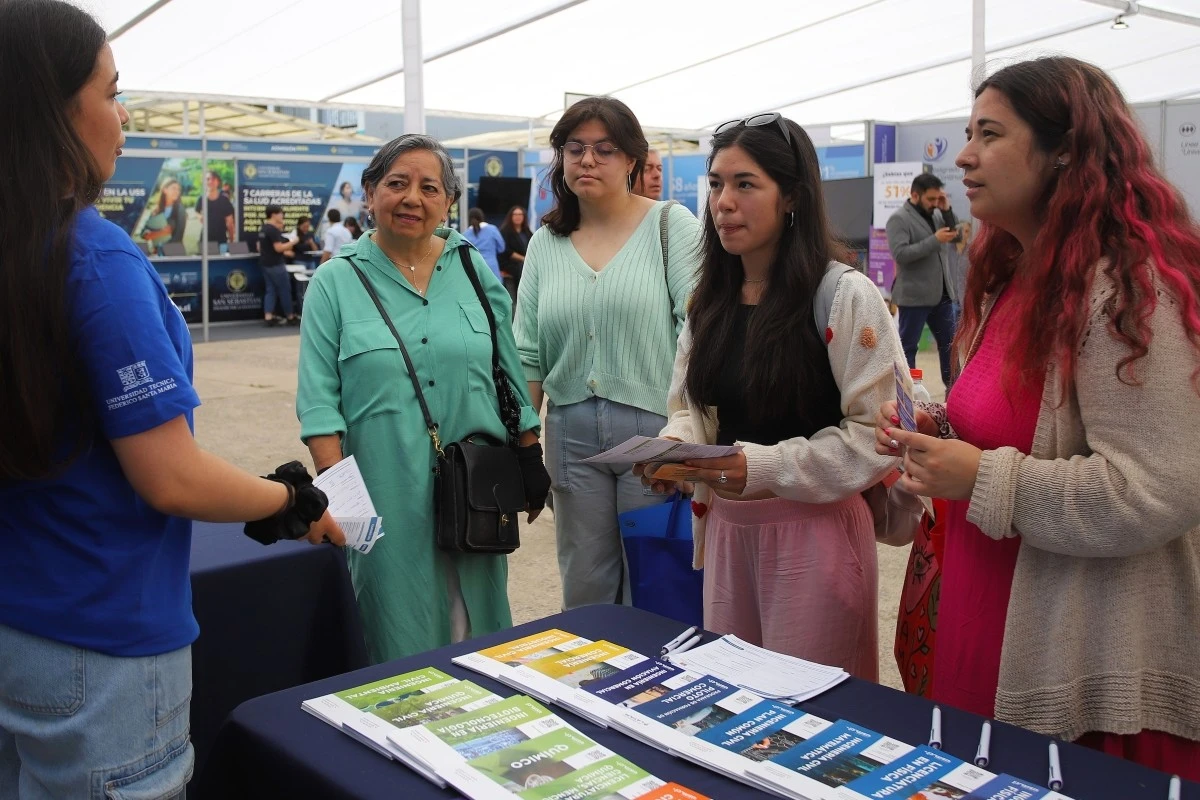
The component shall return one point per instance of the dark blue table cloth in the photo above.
(270, 618)
(271, 748)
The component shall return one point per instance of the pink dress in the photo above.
(977, 572)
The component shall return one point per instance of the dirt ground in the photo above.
(246, 378)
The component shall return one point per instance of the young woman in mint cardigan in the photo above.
(598, 315)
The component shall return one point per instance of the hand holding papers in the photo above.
(350, 504)
(641, 449)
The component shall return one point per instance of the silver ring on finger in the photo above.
(723, 478)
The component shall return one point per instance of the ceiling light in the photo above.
(1119, 24)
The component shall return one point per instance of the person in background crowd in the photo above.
(169, 220)
(304, 241)
(516, 233)
(486, 238)
(336, 236)
(1069, 447)
(924, 289)
(352, 225)
(354, 399)
(650, 182)
(220, 213)
(785, 537)
(273, 251)
(99, 473)
(598, 313)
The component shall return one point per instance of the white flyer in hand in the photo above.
(669, 451)
(350, 505)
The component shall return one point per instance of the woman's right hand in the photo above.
(888, 418)
(660, 485)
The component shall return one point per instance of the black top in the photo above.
(733, 420)
(268, 236)
(218, 211)
(514, 242)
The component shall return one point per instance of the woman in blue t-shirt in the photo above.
(486, 238)
(99, 472)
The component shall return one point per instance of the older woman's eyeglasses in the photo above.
(755, 121)
(601, 151)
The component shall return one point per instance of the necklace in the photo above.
(760, 280)
(412, 268)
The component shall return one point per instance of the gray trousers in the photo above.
(588, 497)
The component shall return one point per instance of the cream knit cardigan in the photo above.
(1103, 623)
(835, 463)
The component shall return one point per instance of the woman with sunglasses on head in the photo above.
(1071, 581)
(785, 538)
(99, 473)
(598, 312)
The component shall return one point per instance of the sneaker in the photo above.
(293, 321)
(272, 322)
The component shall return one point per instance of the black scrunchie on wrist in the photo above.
(306, 503)
(533, 473)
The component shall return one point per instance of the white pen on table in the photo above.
(983, 754)
(678, 640)
(1175, 788)
(935, 729)
(688, 645)
(1055, 780)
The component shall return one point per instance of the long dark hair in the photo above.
(48, 51)
(475, 219)
(508, 220)
(783, 350)
(624, 131)
(1108, 201)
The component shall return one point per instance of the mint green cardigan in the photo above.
(611, 333)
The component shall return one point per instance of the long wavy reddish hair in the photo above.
(1110, 201)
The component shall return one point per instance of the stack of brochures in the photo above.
(764, 672)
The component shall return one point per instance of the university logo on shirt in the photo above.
(134, 375)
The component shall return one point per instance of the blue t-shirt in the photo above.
(490, 244)
(83, 559)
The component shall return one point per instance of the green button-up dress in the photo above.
(353, 381)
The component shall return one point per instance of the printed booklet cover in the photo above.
(340, 707)
(673, 791)
(668, 721)
(644, 681)
(761, 732)
(812, 770)
(449, 742)
(554, 678)
(923, 774)
(496, 662)
(449, 701)
(1007, 787)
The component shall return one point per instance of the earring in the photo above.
(628, 183)
(1059, 164)
(791, 218)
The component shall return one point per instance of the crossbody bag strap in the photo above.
(509, 416)
(430, 426)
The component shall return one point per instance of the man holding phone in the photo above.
(924, 290)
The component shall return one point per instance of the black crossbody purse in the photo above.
(478, 491)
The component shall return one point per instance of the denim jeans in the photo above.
(588, 497)
(279, 287)
(942, 323)
(75, 723)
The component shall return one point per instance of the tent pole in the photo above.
(203, 228)
(414, 70)
(978, 41)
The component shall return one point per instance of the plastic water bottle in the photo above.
(920, 394)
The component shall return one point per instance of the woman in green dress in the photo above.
(355, 398)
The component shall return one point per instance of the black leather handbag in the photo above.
(478, 491)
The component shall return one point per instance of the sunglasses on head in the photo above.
(755, 121)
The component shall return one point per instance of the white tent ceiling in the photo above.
(677, 63)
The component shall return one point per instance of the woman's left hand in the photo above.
(933, 467)
(733, 468)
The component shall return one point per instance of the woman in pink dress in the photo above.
(1070, 445)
